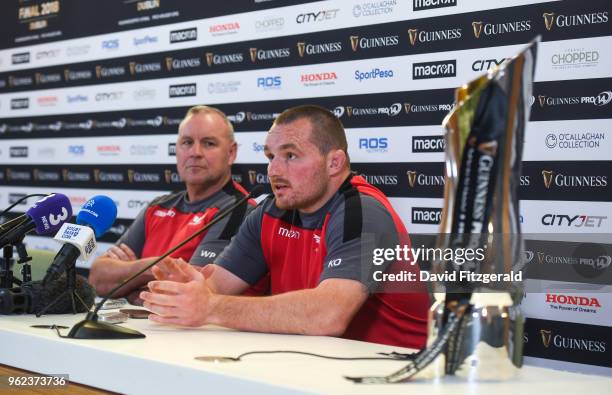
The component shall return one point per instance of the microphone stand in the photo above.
(70, 292)
(91, 328)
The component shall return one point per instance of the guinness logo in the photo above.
(252, 177)
(540, 257)
(411, 177)
(66, 75)
(130, 175)
(548, 176)
(132, 68)
(96, 175)
(407, 108)
(169, 63)
(354, 42)
(549, 18)
(301, 46)
(99, 71)
(546, 337)
(209, 58)
(477, 27)
(412, 34)
(349, 111)
(253, 52)
(542, 100)
(64, 174)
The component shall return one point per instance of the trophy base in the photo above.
(488, 347)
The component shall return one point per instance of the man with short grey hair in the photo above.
(205, 151)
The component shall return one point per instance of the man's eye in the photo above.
(291, 155)
(186, 142)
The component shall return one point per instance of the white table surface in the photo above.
(164, 363)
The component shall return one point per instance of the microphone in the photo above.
(32, 296)
(95, 218)
(90, 328)
(46, 216)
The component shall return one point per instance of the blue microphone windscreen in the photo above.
(98, 213)
(50, 213)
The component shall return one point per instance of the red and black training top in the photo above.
(170, 219)
(299, 251)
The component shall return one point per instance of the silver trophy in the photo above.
(475, 327)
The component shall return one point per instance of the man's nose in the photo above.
(197, 150)
(273, 168)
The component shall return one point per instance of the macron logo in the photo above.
(289, 233)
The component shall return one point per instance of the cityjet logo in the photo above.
(183, 90)
(216, 59)
(106, 72)
(422, 36)
(224, 29)
(420, 5)
(318, 49)
(486, 64)
(318, 79)
(179, 64)
(319, 16)
(599, 101)
(576, 221)
(440, 69)
(561, 180)
(416, 179)
(493, 29)
(372, 42)
(177, 36)
(426, 215)
(567, 343)
(268, 54)
(108, 96)
(391, 111)
(552, 19)
(141, 68)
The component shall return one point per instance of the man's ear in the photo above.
(336, 161)
(233, 153)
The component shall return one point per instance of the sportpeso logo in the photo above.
(420, 5)
(182, 90)
(177, 36)
(439, 69)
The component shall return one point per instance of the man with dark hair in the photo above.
(205, 151)
(315, 239)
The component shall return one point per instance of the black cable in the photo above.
(6, 210)
(393, 356)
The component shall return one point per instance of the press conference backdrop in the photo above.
(92, 92)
